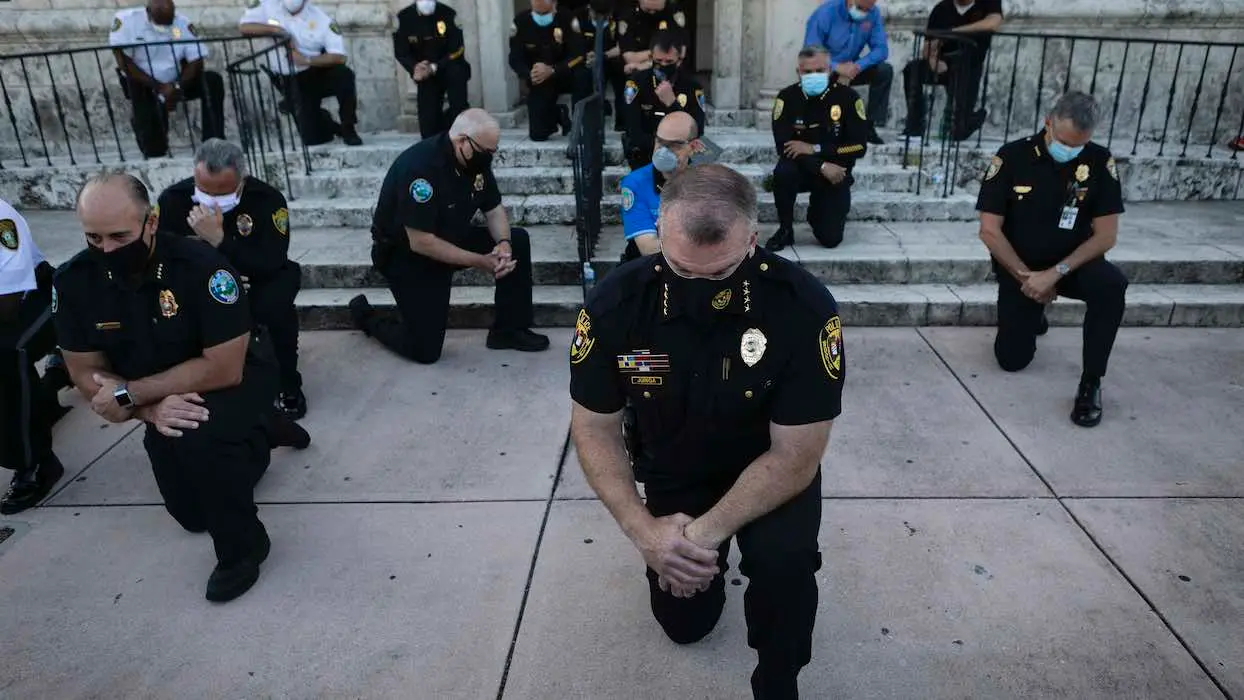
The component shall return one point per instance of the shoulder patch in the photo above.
(859, 109)
(831, 347)
(332, 27)
(1112, 168)
(995, 165)
(622, 28)
(421, 190)
(631, 91)
(581, 347)
(116, 24)
(223, 287)
(513, 29)
(778, 104)
(280, 219)
(55, 299)
(8, 234)
(628, 199)
(699, 98)
(680, 19)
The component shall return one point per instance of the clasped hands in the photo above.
(684, 558)
(499, 262)
(1041, 287)
(170, 416)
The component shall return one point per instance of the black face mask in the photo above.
(667, 71)
(126, 261)
(479, 163)
(699, 298)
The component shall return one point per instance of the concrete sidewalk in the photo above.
(438, 540)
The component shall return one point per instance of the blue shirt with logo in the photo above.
(831, 26)
(641, 202)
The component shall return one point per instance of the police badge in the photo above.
(752, 347)
(168, 303)
(245, 225)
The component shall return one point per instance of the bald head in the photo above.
(479, 125)
(678, 126)
(161, 12)
(113, 210)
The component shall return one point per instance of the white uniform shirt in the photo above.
(19, 256)
(312, 31)
(163, 63)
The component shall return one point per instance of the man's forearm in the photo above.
(190, 71)
(194, 376)
(603, 458)
(648, 243)
(133, 73)
(767, 483)
(256, 29)
(1096, 246)
(327, 59)
(498, 223)
(989, 24)
(1002, 251)
(433, 246)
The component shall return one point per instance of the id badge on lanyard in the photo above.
(1071, 209)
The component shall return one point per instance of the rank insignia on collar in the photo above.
(1082, 172)
(639, 361)
(581, 347)
(752, 347)
(835, 113)
(831, 347)
(168, 303)
(8, 234)
(722, 299)
(479, 182)
(441, 28)
(245, 225)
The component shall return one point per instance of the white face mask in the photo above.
(963, 10)
(293, 6)
(224, 202)
(425, 7)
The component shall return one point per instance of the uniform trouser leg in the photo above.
(1018, 321)
(542, 109)
(616, 77)
(420, 289)
(272, 304)
(450, 82)
(341, 84)
(150, 121)
(878, 78)
(430, 99)
(788, 182)
(781, 558)
(1103, 289)
(26, 412)
(513, 292)
(578, 82)
(304, 94)
(210, 88)
(916, 75)
(827, 210)
(207, 482)
(965, 79)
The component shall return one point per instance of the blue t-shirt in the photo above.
(831, 26)
(641, 202)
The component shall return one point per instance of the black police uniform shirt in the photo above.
(709, 365)
(436, 37)
(558, 45)
(945, 17)
(1047, 207)
(636, 27)
(188, 299)
(256, 239)
(427, 190)
(583, 24)
(647, 110)
(836, 121)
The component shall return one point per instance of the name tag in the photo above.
(1068, 220)
(108, 326)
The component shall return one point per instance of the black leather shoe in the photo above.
(292, 403)
(563, 119)
(56, 378)
(523, 341)
(1087, 410)
(1043, 326)
(350, 136)
(780, 239)
(284, 432)
(31, 485)
(225, 584)
(360, 312)
(875, 138)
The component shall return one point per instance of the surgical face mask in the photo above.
(857, 14)
(542, 19)
(293, 6)
(425, 7)
(665, 160)
(1063, 153)
(224, 202)
(814, 84)
(126, 261)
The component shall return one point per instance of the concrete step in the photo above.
(948, 253)
(1217, 306)
(356, 212)
(560, 180)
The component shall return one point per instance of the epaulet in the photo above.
(624, 282)
(82, 257)
(805, 289)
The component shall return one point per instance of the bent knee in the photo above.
(1013, 360)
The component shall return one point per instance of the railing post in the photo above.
(1222, 102)
(1196, 97)
(34, 108)
(1170, 100)
(86, 113)
(8, 107)
(116, 135)
(1144, 96)
(1118, 93)
(1010, 99)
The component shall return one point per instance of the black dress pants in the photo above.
(1100, 285)
(313, 86)
(828, 205)
(421, 288)
(962, 80)
(542, 111)
(452, 81)
(272, 305)
(780, 558)
(151, 117)
(27, 412)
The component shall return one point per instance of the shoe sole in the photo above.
(492, 346)
(43, 493)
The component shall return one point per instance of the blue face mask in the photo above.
(1063, 153)
(814, 84)
(542, 20)
(857, 14)
(665, 160)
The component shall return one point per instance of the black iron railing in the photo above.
(587, 157)
(75, 106)
(1158, 97)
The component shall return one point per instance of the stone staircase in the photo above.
(908, 259)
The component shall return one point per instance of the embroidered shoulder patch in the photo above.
(859, 109)
(581, 347)
(628, 199)
(995, 166)
(55, 300)
(8, 234)
(778, 104)
(223, 287)
(280, 219)
(631, 91)
(332, 27)
(116, 24)
(1112, 168)
(421, 191)
(831, 347)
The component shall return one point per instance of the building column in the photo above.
(728, 54)
(781, 47)
(497, 84)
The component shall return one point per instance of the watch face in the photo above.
(123, 397)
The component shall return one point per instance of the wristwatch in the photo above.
(1062, 269)
(816, 148)
(123, 397)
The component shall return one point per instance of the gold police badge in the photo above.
(441, 28)
(722, 299)
(752, 347)
(682, 100)
(168, 303)
(831, 347)
(1082, 173)
(8, 234)
(245, 225)
(557, 34)
(479, 182)
(176, 32)
(835, 113)
(583, 341)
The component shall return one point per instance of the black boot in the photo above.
(361, 313)
(229, 582)
(281, 431)
(30, 486)
(563, 118)
(1043, 326)
(1087, 410)
(521, 340)
(780, 239)
(350, 136)
(292, 403)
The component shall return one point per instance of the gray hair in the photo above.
(813, 51)
(132, 186)
(473, 123)
(709, 200)
(1080, 108)
(219, 155)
